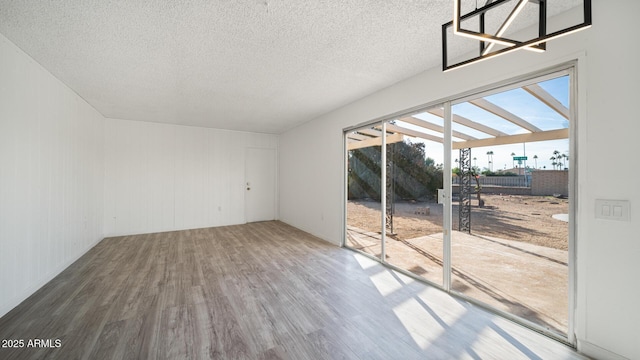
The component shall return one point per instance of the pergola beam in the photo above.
(468, 123)
(371, 132)
(435, 127)
(514, 139)
(413, 133)
(393, 138)
(498, 111)
(541, 94)
(357, 136)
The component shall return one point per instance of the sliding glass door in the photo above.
(494, 167)
(414, 166)
(510, 234)
(364, 213)
(392, 203)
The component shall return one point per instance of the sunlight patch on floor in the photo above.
(364, 261)
(416, 319)
(386, 283)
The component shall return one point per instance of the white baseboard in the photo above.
(19, 298)
(597, 352)
(312, 233)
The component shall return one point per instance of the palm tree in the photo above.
(535, 161)
(490, 157)
(475, 163)
(557, 158)
(513, 161)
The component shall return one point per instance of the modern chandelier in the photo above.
(496, 43)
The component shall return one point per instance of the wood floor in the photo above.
(255, 291)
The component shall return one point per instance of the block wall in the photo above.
(549, 182)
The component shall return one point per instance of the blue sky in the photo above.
(520, 103)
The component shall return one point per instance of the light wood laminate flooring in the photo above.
(255, 291)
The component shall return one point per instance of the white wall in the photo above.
(607, 318)
(51, 176)
(163, 177)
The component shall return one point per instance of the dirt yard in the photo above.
(514, 217)
(515, 258)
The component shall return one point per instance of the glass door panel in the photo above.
(510, 229)
(364, 214)
(414, 218)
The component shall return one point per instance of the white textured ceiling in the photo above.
(256, 65)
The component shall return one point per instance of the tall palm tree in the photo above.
(535, 161)
(513, 161)
(490, 158)
(565, 160)
(475, 163)
(557, 158)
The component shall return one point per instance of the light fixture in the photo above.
(506, 24)
(488, 41)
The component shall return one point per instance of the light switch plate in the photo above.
(612, 209)
(441, 195)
